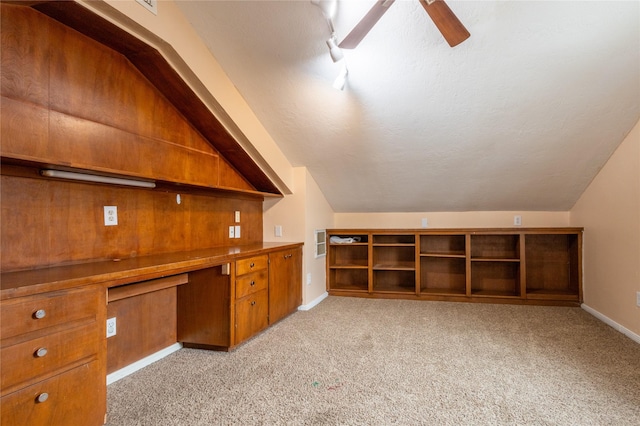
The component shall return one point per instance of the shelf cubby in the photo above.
(442, 275)
(349, 279)
(442, 245)
(552, 266)
(491, 247)
(398, 281)
(394, 257)
(497, 279)
(349, 256)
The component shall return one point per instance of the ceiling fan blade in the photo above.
(451, 28)
(364, 26)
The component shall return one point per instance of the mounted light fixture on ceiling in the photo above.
(328, 8)
(334, 50)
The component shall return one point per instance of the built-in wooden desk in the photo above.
(53, 320)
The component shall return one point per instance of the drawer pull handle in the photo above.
(41, 352)
(252, 283)
(252, 265)
(42, 397)
(253, 303)
(40, 313)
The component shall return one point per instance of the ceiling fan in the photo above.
(451, 28)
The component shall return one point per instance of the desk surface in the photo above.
(124, 271)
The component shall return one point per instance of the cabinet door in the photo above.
(285, 283)
(251, 315)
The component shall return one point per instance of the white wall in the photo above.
(300, 214)
(450, 219)
(609, 211)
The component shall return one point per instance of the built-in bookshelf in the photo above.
(527, 265)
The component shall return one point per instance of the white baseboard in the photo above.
(132, 368)
(314, 302)
(630, 334)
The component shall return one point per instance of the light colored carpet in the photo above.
(355, 361)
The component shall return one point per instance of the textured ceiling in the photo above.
(521, 116)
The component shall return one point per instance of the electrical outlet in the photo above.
(237, 231)
(110, 215)
(111, 327)
(517, 220)
(308, 278)
(232, 232)
(278, 230)
(237, 216)
(425, 222)
(638, 299)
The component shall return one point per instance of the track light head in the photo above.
(334, 50)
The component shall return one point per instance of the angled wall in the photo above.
(609, 210)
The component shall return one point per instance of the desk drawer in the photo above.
(32, 313)
(252, 264)
(72, 398)
(251, 283)
(47, 354)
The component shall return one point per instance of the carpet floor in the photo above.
(353, 361)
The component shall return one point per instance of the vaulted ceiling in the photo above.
(521, 116)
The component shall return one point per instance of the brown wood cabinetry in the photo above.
(223, 306)
(252, 297)
(53, 358)
(285, 289)
(532, 266)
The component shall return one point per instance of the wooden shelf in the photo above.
(459, 256)
(397, 266)
(525, 265)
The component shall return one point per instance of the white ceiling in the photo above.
(521, 116)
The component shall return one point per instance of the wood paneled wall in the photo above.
(68, 101)
(46, 222)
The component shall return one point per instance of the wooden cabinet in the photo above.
(252, 297)
(53, 358)
(285, 289)
(224, 306)
(528, 265)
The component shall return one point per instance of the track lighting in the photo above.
(84, 177)
(341, 80)
(334, 50)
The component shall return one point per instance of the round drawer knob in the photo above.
(41, 352)
(40, 313)
(252, 265)
(42, 397)
(253, 303)
(252, 283)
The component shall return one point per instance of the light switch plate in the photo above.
(278, 230)
(232, 231)
(237, 231)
